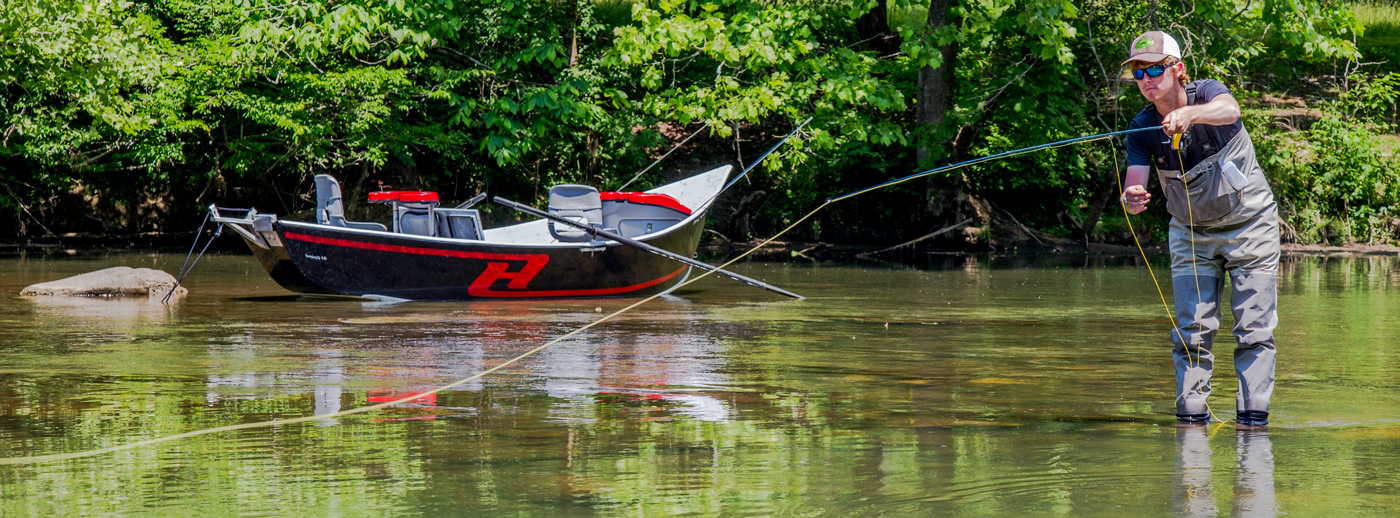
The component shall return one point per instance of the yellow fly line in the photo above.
(280, 422)
(1195, 273)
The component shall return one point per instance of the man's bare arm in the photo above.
(1221, 110)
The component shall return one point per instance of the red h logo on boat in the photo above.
(497, 270)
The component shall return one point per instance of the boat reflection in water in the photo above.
(364, 361)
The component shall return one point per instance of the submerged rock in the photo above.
(118, 281)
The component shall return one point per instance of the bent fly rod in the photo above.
(988, 158)
(276, 422)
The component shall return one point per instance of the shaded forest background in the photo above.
(129, 117)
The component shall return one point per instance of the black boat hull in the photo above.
(325, 260)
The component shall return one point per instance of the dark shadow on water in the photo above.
(276, 298)
(967, 262)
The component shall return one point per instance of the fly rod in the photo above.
(1006, 154)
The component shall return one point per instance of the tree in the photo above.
(121, 116)
(746, 64)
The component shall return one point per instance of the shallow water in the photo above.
(961, 386)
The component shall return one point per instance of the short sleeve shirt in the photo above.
(1199, 142)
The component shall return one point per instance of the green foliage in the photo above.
(1372, 99)
(135, 113)
(738, 61)
(1333, 186)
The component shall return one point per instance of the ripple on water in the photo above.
(973, 389)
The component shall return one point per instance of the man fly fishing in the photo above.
(1223, 221)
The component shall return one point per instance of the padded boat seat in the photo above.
(579, 203)
(414, 213)
(633, 214)
(330, 209)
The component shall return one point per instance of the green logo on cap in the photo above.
(1143, 43)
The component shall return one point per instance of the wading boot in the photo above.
(1191, 420)
(1251, 419)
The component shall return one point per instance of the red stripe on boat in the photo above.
(333, 241)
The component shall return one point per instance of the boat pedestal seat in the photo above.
(414, 213)
(330, 209)
(417, 213)
(579, 203)
(635, 214)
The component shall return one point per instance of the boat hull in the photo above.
(324, 260)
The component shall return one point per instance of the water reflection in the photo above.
(104, 313)
(1253, 489)
(972, 387)
(1254, 474)
(1193, 484)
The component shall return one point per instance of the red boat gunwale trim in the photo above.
(648, 198)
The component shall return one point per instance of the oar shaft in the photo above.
(643, 246)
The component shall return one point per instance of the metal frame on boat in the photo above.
(444, 254)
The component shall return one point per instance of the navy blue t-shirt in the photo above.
(1199, 142)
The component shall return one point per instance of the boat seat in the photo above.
(634, 214)
(579, 203)
(415, 213)
(330, 210)
(459, 223)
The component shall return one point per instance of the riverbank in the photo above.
(92, 244)
(786, 249)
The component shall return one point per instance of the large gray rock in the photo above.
(111, 282)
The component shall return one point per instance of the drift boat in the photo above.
(433, 253)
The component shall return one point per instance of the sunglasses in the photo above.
(1152, 71)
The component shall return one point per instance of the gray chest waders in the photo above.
(1228, 226)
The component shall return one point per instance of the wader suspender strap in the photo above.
(1191, 100)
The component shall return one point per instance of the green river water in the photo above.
(959, 386)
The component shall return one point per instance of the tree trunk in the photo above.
(935, 99)
(875, 29)
(572, 36)
(1108, 192)
(935, 96)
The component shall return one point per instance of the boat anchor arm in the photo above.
(595, 231)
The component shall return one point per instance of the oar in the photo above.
(598, 232)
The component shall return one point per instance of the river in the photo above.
(957, 386)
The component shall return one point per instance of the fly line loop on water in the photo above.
(280, 422)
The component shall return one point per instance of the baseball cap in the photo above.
(1153, 46)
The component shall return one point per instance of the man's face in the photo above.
(1155, 88)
